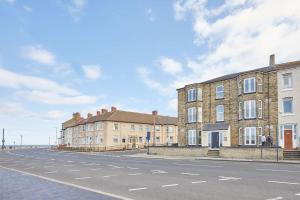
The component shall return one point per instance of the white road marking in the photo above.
(52, 159)
(108, 176)
(48, 166)
(277, 170)
(95, 169)
(282, 182)
(51, 172)
(136, 174)
(132, 168)
(170, 185)
(70, 161)
(224, 178)
(74, 170)
(82, 178)
(136, 189)
(195, 165)
(195, 182)
(297, 194)
(115, 166)
(90, 164)
(190, 174)
(276, 198)
(29, 168)
(68, 165)
(158, 172)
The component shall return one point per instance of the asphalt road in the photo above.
(118, 175)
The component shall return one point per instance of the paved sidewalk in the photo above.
(15, 185)
(144, 155)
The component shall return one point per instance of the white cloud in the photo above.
(43, 90)
(92, 71)
(11, 1)
(39, 54)
(76, 7)
(56, 115)
(149, 13)
(27, 8)
(170, 65)
(10, 108)
(241, 34)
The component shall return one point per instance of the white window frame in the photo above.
(132, 127)
(292, 106)
(220, 113)
(240, 87)
(192, 114)
(192, 137)
(191, 94)
(220, 94)
(248, 87)
(290, 81)
(115, 126)
(251, 133)
(241, 133)
(259, 135)
(259, 85)
(240, 110)
(260, 109)
(249, 111)
(199, 115)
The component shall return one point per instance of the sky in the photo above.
(58, 57)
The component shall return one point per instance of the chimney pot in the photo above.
(113, 109)
(103, 110)
(89, 115)
(272, 60)
(98, 113)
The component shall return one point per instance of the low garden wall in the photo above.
(178, 151)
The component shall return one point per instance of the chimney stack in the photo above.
(89, 115)
(76, 116)
(98, 113)
(272, 60)
(154, 112)
(103, 110)
(113, 109)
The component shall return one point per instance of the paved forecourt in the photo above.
(120, 176)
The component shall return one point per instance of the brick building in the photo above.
(232, 110)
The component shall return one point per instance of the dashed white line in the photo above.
(70, 161)
(170, 185)
(195, 182)
(136, 174)
(115, 166)
(195, 165)
(276, 198)
(277, 170)
(48, 166)
(190, 174)
(297, 194)
(82, 178)
(224, 178)
(51, 172)
(74, 170)
(158, 172)
(95, 169)
(136, 189)
(108, 176)
(132, 168)
(283, 182)
(68, 165)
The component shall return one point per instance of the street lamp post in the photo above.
(21, 140)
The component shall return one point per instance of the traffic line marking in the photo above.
(82, 178)
(74, 170)
(51, 172)
(70, 161)
(224, 178)
(108, 176)
(68, 165)
(136, 174)
(136, 189)
(158, 172)
(170, 185)
(195, 165)
(95, 169)
(277, 170)
(297, 194)
(282, 182)
(191, 174)
(48, 166)
(195, 182)
(115, 166)
(276, 198)
(132, 168)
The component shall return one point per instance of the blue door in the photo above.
(215, 140)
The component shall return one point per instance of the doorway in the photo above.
(288, 139)
(215, 142)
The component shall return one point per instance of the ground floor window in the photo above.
(141, 140)
(116, 140)
(199, 138)
(192, 137)
(157, 140)
(171, 139)
(250, 135)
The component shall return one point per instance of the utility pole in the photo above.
(3, 141)
(21, 140)
(55, 135)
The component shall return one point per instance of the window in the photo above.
(101, 140)
(90, 127)
(157, 140)
(240, 136)
(147, 129)
(199, 138)
(192, 115)
(192, 94)
(132, 127)
(199, 97)
(171, 139)
(141, 127)
(287, 81)
(250, 135)
(240, 110)
(220, 92)
(250, 109)
(169, 129)
(115, 139)
(99, 126)
(288, 105)
(240, 87)
(260, 134)
(249, 85)
(259, 85)
(200, 114)
(220, 113)
(260, 109)
(141, 140)
(192, 137)
(157, 128)
(123, 140)
(116, 127)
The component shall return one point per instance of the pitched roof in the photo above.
(127, 117)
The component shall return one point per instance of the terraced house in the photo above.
(116, 129)
(237, 109)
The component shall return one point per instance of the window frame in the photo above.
(192, 137)
(248, 109)
(220, 94)
(241, 110)
(199, 94)
(253, 128)
(284, 100)
(192, 115)
(220, 113)
(260, 109)
(248, 80)
(191, 94)
(290, 85)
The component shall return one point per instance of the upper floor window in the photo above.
(249, 85)
(147, 128)
(250, 109)
(220, 92)
(169, 129)
(157, 128)
(240, 110)
(220, 113)
(132, 127)
(288, 105)
(199, 97)
(99, 126)
(259, 85)
(192, 94)
(116, 126)
(90, 127)
(240, 87)
(260, 109)
(192, 115)
(199, 114)
(141, 127)
(287, 81)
